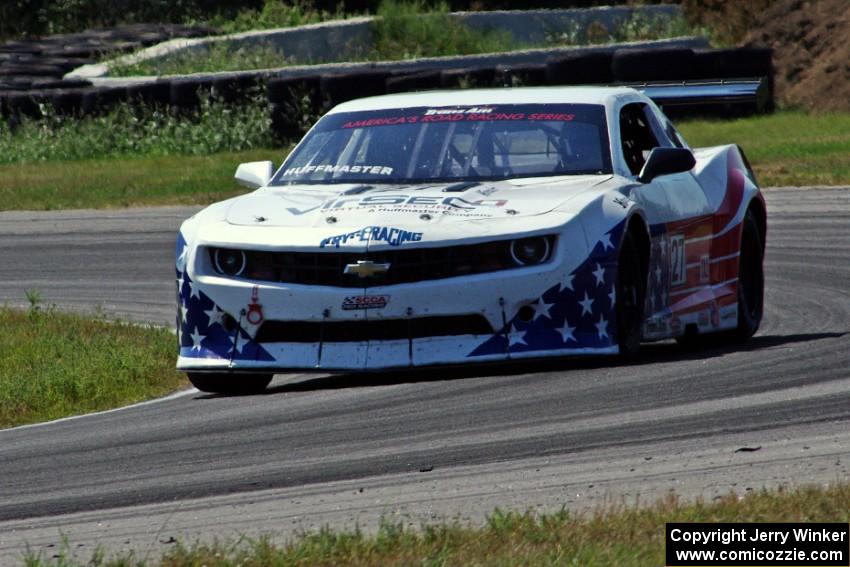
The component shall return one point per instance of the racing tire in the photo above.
(750, 294)
(750, 280)
(631, 289)
(229, 383)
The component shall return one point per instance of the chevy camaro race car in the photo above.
(470, 226)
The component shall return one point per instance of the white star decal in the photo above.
(184, 311)
(197, 339)
(181, 259)
(613, 295)
(194, 291)
(602, 327)
(215, 316)
(567, 332)
(567, 284)
(541, 309)
(180, 281)
(606, 241)
(599, 274)
(516, 336)
(658, 274)
(586, 305)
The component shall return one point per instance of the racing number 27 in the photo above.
(677, 259)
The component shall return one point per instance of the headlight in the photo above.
(229, 262)
(530, 251)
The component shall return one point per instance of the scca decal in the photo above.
(365, 302)
(391, 235)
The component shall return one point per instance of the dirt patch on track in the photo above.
(811, 51)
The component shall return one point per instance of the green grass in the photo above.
(132, 156)
(637, 27)
(414, 29)
(140, 130)
(216, 57)
(55, 364)
(622, 536)
(403, 30)
(790, 147)
(124, 181)
(273, 14)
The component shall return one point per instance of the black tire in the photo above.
(229, 383)
(580, 69)
(750, 293)
(750, 280)
(631, 289)
(673, 64)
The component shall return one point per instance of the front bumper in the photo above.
(563, 307)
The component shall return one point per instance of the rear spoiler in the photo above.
(695, 97)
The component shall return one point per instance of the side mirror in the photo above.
(254, 174)
(664, 161)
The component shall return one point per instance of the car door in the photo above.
(680, 225)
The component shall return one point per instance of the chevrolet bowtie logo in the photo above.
(366, 269)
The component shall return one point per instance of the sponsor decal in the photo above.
(402, 203)
(329, 168)
(704, 268)
(365, 302)
(715, 314)
(622, 201)
(391, 235)
(473, 114)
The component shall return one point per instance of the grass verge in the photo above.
(623, 536)
(789, 147)
(55, 364)
(130, 129)
(124, 182)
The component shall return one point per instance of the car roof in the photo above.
(522, 95)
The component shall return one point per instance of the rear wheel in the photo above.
(630, 294)
(750, 280)
(229, 383)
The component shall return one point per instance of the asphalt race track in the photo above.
(422, 446)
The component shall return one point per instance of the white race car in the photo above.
(470, 226)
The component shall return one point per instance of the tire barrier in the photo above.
(521, 75)
(593, 68)
(156, 93)
(293, 105)
(467, 78)
(186, 93)
(31, 71)
(234, 88)
(100, 100)
(630, 65)
(339, 88)
(412, 82)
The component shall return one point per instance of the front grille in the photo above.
(372, 330)
(406, 266)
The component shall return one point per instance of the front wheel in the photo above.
(630, 294)
(229, 383)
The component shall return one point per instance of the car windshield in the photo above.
(458, 143)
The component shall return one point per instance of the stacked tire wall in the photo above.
(296, 97)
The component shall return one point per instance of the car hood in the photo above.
(351, 206)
